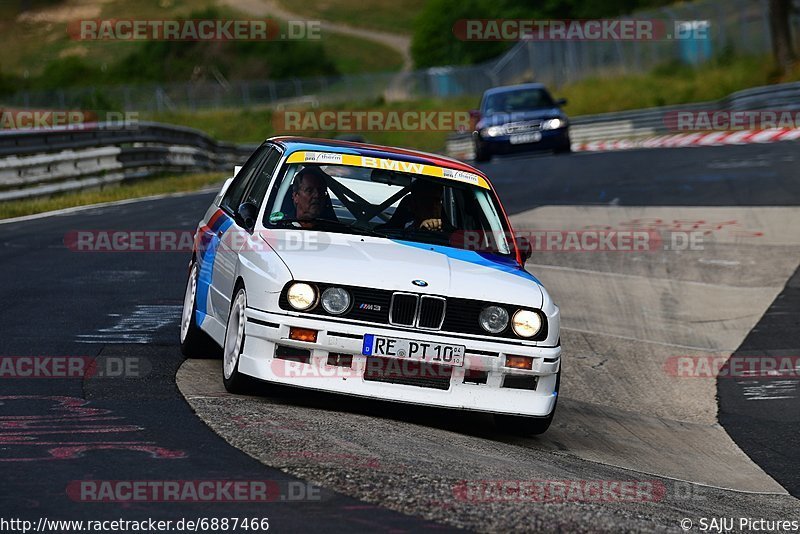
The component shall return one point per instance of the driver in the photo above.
(309, 195)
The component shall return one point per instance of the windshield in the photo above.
(382, 203)
(523, 100)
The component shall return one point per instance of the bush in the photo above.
(159, 61)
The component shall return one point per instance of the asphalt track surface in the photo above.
(125, 306)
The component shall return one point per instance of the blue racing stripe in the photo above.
(205, 258)
(484, 259)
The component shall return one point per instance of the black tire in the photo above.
(564, 149)
(527, 426)
(194, 342)
(232, 379)
(482, 154)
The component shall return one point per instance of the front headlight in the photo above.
(301, 296)
(494, 319)
(554, 124)
(526, 323)
(335, 300)
(492, 131)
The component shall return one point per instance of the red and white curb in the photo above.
(741, 137)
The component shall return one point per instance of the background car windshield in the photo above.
(395, 205)
(522, 100)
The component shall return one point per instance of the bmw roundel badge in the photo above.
(420, 283)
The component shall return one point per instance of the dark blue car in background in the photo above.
(520, 118)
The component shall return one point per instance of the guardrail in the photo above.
(640, 123)
(48, 161)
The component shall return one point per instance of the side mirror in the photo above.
(525, 247)
(247, 215)
(561, 102)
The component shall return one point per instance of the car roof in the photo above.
(295, 144)
(512, 88)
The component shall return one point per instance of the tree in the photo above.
(779, 11)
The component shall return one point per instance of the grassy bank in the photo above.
(672, 84)
(142, 188)
(255, 125)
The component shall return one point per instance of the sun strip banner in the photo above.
(331, 158)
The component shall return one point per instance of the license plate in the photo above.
(393, 347)
(525, 138)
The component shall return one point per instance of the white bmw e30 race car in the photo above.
(377, 272)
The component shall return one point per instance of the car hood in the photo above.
(393, 265)
(497, 119)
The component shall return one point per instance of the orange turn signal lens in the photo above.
(303, 334)
(519, 362)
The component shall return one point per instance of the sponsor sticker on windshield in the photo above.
(389, 165)
(322, 157)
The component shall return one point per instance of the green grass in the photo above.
(671, 84)
(140, 188)
(385, 15)
(255, 125)
(352, 55)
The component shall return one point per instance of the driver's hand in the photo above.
(431, 224)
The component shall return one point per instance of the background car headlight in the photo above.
(335, 300)
(526, 323)
(301, 296)
(492, 131)
(494, 319)
(554, 124)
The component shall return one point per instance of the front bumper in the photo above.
(555, 140)
(498, 394)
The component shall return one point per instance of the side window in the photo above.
(259, 186)
(235, 193)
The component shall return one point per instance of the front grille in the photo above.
(408, 372)
(403, 309)
(431, 312)
(519, 127)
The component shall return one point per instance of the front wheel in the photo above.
(234, 381)
(527, 426)
(482, 153)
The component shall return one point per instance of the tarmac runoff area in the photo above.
(624, 414)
